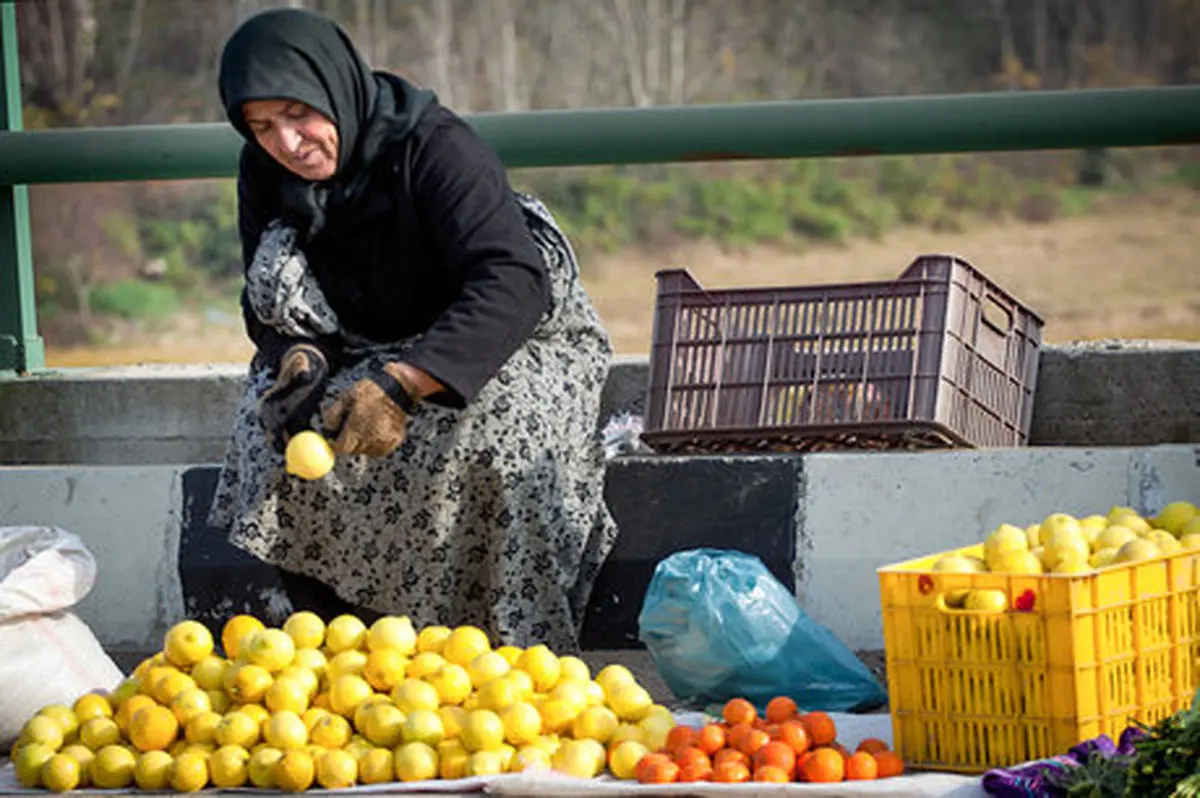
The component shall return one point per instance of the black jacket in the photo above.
(436, 246)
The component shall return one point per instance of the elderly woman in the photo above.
(405, 300)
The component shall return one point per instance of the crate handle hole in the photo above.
(997, 315)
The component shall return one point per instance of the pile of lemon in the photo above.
(333, 706)
(1064, 544)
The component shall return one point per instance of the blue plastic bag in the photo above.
(719, 625)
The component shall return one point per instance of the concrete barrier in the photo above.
(822, 524)
(1128, 394)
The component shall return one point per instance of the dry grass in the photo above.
(1129, 270)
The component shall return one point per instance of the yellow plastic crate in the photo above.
(1085, 655)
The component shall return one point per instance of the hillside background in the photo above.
(1101, 244)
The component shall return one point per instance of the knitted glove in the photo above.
(287, 406)
(371, 416)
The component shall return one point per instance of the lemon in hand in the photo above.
(308, 455)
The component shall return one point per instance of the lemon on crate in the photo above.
(1137, 550)
(423, 726)
(308, 455)
(336, 770)
(1004, 538)
(986, 601)
(483, 730)
(285, 730)
(530, 757)
(488, 762)
(237, 728)
(522, 723)
(1114, 536)
(383, 724)
(1175, 516)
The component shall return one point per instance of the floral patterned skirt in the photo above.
(493, 515)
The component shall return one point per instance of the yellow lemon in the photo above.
(202, 728)
(483, 730)
(1175, 516)
(45, 730)
(209, 673)
(189, 772)
(295, 770)
(1136, 550)
(152, 770)
(308, 455)
(522, 723)
(986, 601)
(347, 663)
(1065, 548)
(575, 694)
(499, 693)
(261, 769)
(187, 643)
(432, 639)
(1190, 541)
(412, 694)
(1102, 558)
(130, 707)
(576, 758)
(485, 763)
(415, 762)
(464, 644)
(623, 759)
(284, 730)
(336, 770)
(542, 666)
(452, 763)
(61, 773)
(393, 632)
(153, 729)
(453, 718)
(347, 692)
(557, 714)
(487, 666)
(1005, 537)
(1113, 537)
(423, 726)
(530, 758)
(1073, 564)
(272, 649)
(308, 679)
(424, 664)
(331, 731)
(247, 683)
(101, 731)
(229, 767)
(383, 725)
(511, 654)
(65, 718)
(627, 731)
(345, 633)
(237, 728)
(310, 659)
(84, 756)
(290, 694)
(112, 768)
(384, 668)
(306, 629)
(237, 629)
(376, 766)
(29, 761)
(610, 676)
(90, 705)
(190, 703)
(452, 682)
(595, 723)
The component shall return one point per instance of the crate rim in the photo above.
(882, 284)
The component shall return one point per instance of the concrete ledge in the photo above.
(821, 523)
(1118, 394)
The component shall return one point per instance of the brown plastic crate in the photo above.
(940, 357)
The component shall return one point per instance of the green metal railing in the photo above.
(1046, 120)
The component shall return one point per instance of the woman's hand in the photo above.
(371, 416)
(286, 407)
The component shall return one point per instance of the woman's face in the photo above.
(301, 138)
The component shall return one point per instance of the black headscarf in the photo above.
(294, 54)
